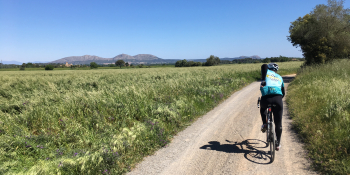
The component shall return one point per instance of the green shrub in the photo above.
(93, 65)
(49, 67)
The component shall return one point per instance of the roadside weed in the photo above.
(319, 102)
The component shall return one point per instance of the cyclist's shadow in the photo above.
(251, 150)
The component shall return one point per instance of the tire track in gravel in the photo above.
(228, 140)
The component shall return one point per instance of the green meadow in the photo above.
(103, 121)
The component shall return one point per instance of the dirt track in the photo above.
(228, 140)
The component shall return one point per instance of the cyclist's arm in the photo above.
(263, 71)
(283, 92)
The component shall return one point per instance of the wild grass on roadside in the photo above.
(104, 121)
(319, 102)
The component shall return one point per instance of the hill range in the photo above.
(137, 59)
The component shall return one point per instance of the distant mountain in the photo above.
(39, 62)
(12, 62)
(123, 57)
(137, 59)
(255, 57)
(73, 59)
(146, 57)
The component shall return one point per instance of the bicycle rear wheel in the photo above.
(267, 138)
(272, 142)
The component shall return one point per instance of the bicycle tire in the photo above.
(267, 138)
(272, 143)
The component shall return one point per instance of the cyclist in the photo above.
(272, 92)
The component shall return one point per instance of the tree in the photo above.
(93, 65)
(184, 63)
(212, 60)
(23, 67)
(266, 60)
(49, 67)
(29, 64)
(198, 63)
(217, 60)
(178, 63)
(120, 63)
(127, 64)
(324, 34)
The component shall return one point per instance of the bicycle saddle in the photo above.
(271, 105)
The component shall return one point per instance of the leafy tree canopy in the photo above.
(93, 65)
(120, 63)
(23, 67)
(185, 63)
(49, 67)
(324, 34)
(29, 65)
(212, 61)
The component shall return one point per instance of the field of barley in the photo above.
(105, 121)
(319, 102)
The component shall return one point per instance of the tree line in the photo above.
(211, 61)
(119, 63)
(265, 60)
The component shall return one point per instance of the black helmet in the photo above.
(273, 66)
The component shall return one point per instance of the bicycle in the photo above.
(270, 132)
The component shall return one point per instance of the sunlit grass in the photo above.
(95, 121)
(319, 102)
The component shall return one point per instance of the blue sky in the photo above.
(47, 30)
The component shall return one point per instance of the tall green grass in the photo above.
(104, 121)
(319, 102)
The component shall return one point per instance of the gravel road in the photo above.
(228, 140)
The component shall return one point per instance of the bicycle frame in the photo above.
(270, 132)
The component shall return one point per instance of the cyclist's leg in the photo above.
(263, 107)
(277, 113)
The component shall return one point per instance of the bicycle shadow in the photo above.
(250, 149)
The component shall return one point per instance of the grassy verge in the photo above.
(105, 121)
(319, 102)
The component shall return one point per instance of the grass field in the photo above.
(105, 120)
(319, 102)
